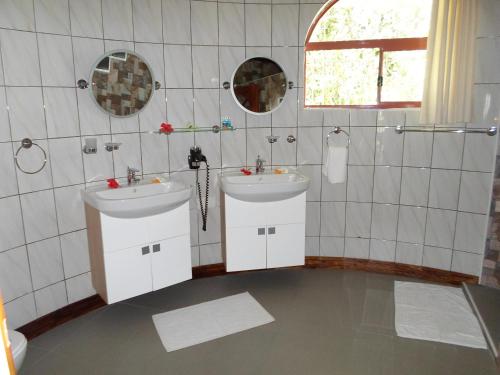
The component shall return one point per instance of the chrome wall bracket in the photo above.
(82, 84)
(90, 146)
(272, 138)
(112, 146)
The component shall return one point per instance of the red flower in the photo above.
(113, 183)
(166, 128)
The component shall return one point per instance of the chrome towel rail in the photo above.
(492, 130)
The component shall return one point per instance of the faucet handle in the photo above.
(131, 177)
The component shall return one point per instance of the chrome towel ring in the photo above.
(26, 143)
(338, 130)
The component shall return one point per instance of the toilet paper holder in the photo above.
(338, 130)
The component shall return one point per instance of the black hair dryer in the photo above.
(195, 158)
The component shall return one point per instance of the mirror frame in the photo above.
(236, 99)
(91, 82)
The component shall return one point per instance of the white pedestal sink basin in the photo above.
(137, 200)
(264, 187)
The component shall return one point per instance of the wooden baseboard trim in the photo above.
(399, 269)
(74, 310)
(63, 315)
(209, 270)
(391, 268)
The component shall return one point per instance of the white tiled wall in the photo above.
(414, 198)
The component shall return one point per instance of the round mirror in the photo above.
(259, 85)
(122, 83)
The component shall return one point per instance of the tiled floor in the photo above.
(327, 322)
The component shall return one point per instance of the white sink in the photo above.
(137, 200)
(264, 187)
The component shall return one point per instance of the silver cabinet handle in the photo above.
(271, 230)
(261, 231)
(156, 248)
(145, 250)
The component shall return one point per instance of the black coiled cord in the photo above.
(204, 210)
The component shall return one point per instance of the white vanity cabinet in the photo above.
(263, 234)
(132, 256)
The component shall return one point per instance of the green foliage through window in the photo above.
(347, 75)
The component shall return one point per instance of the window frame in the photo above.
(383, 45)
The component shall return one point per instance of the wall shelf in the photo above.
(214, 129)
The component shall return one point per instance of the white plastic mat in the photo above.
(209, 320)
(436, 313)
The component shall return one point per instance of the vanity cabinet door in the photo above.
(246, 248)
(128, 273)
(171, 261)
(285, 245)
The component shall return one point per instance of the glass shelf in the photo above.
(214, 129)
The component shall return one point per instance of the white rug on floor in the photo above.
(436, 313)
(209, 320)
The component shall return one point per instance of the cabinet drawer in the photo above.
(169, 224)
(288, 211)
(120, 233)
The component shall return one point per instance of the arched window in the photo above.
(367, 54)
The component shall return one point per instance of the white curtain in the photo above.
(449, 76)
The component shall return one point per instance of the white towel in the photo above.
(335, 166)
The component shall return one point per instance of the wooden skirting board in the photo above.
(74, 310)
(399, 269)
(63, 315)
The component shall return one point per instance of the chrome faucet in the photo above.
(259, 165)
(131, 177)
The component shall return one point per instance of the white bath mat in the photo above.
(209, 320)
(436, 313)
